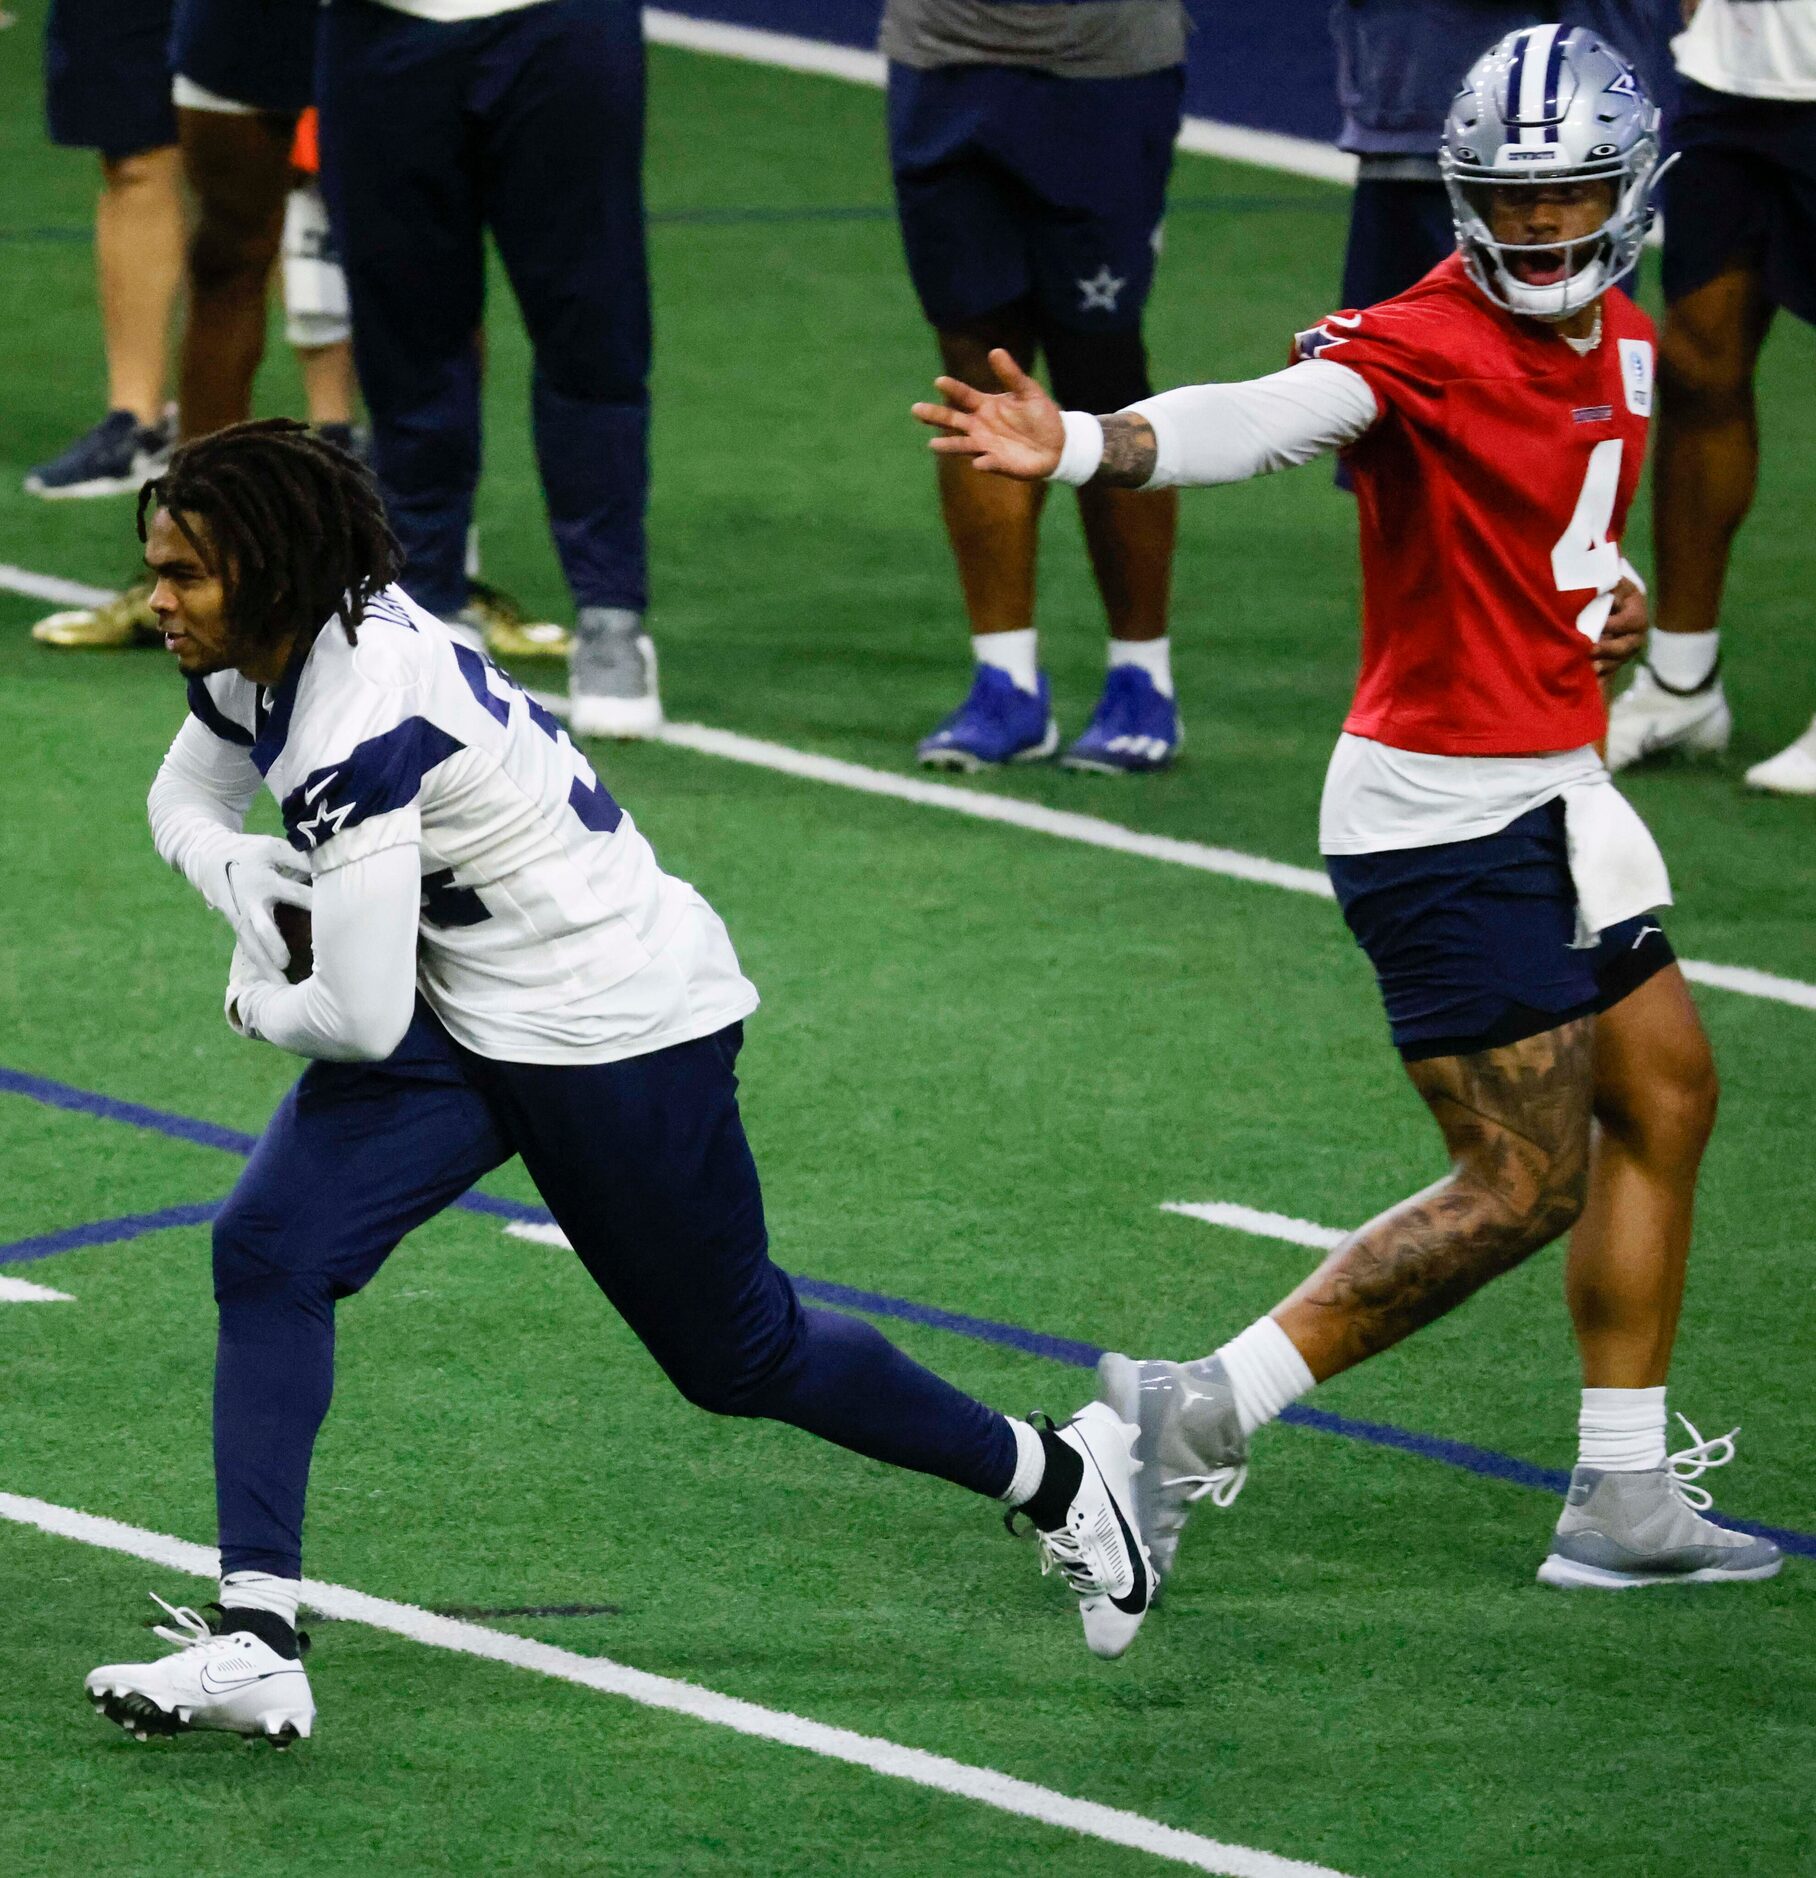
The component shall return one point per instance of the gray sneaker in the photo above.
(1624, 1529)
(612, 676)
(1190, 1445)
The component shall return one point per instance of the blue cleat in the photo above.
(112, 459)
(1134, 727)
(997, 723)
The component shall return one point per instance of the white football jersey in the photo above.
(549, 934)
(1751, 48)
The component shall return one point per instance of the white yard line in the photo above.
(21, 1291)
(1252, 1219)
(1020, 1797)
(49, 587)
(1202, 136)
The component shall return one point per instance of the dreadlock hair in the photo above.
(298, 529)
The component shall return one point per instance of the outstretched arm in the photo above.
(1196, 435)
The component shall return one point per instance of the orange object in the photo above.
(305, 154)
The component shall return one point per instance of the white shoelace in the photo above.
(1220, 1486)
(1689, 1464)
(192, 1632)
(1058, 1549)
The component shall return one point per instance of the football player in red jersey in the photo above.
(1494, 420)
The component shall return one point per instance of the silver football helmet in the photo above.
(1550, 104)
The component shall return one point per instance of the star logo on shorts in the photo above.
(1100, 291)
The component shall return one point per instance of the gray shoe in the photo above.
(612, 676)
(1624, 1529)
(1190, 1445)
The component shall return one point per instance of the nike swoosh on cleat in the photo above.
(212, 1687)
(1135, 1600)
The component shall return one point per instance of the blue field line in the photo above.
(1070, 1350)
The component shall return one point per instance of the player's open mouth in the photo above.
(1541, 267)
(174, 642)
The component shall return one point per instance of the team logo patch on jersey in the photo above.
(1592, 414)
(1317, 339)
(1636, 375)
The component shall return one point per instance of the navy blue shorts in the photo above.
(255, 52)
(1471, 940)
(107, 76)
(1015, 185)
(1743, 190)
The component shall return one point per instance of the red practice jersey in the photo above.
(1491, 494)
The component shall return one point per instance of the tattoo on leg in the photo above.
(1129, 451)
(1517, 1123)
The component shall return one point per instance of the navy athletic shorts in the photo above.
(255, 52)
(1471, 940)
(1014, 184)
(107, 76)
(1743, 189)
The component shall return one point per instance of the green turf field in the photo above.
(986, 1058)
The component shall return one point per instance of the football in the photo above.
(294, 924)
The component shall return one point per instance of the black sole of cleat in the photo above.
(139, 1716)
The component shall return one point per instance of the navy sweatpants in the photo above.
(644, 1164)
(529, 123)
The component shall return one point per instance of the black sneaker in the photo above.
(114, 458)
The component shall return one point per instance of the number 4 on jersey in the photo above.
(1584, 556)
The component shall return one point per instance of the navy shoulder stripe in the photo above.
(210, 714)
(375, 777)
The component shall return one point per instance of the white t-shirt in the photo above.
(1751, 48)
(548, 933)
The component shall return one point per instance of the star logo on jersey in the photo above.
(1308, 344)
(1100, 292)
(325, 823)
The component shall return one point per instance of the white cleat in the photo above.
(612, 679)
(1099, 1549)
(1649, 719)
(1792, 772)
(233, 1682)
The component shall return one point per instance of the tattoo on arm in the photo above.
(1517, 1121)
(1129, 451)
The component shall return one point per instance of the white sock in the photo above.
(1016, 653)
(1683, 660)
(1621, 1431)
(1154, 656)
(1030, 1464)
(261, 1591)
(1266, 1372)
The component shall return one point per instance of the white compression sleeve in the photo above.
(356, 1004)
(1228, 433)
(197, 806)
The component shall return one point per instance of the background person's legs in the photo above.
(139, 267)
(558, 92)
(397, 175)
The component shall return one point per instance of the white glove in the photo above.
(257, 873)
(247, 971)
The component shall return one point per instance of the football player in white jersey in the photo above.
(499, 967)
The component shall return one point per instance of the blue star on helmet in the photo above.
(1100, 291)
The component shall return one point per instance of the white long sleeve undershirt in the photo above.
(197, 808)
(357, 1002)
(1228, 433)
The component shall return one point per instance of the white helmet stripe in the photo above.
(1529, 82)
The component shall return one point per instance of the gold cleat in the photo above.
(114, 625)
(508, 635)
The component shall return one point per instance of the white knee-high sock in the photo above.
(1621, 1431)
(1266, 1372)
